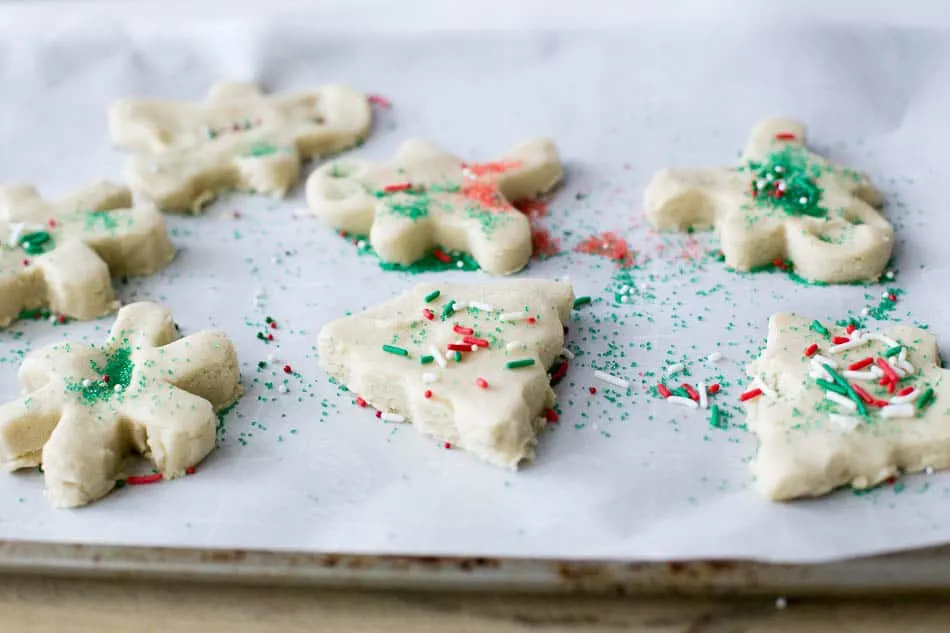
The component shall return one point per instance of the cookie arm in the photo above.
(538, 170)
(682, 199)
(25, 426)
(204, 364)
(77, 281)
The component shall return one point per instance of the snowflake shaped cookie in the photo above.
(466, 364)
(427, 198)
(834, 406)
(238, 138)
(86, 408)
(60, 254)
(782, 202)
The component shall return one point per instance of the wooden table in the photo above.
(45, 605)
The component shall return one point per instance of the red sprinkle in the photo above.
(559, 373)
(889, 372)
(427, 394)
(779, 263)
(459, 347)
(785, 136)
(551, 415)
(382, 102)
(270, 337)
(663, 390)
(61, 318)
(473, 340)
(139, 480)
(52, 223)
(379, 414)
(106, 379)
(458, 329)
(850, 329)
(288, 369)
(403, 186)
(838, 340)
(748, 395)
(811, 350)
(713, 388)
(440, 255)
(190, 470)
(428, 314)
(481, 383)
(360, 402)
(26, 262)
(864, 395)
(892, 297)
(273, 325)
(905, 391)
(447, 445)
(592, 390)
(531, 320)
(861, 364)
(693, 394)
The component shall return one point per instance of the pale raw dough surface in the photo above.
(499, 423)
(161, 402)
(454, 205)
(853, 242)
(804, 451)
(92, 234)
(239, 138)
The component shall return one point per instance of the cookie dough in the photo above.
(781, 203)
(60, 254)
(427, 198)
(87, 407)
(239, 138)
(466, 364)
(833, 407)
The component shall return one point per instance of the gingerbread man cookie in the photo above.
(782, 203)
(834, 406)
(428, 198)
(238, 138)
(465, 364)
(87, 407)
(61, 254)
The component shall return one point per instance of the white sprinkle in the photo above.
(843, 347)
(846, 422)
(683, 402)
(703, 395)
(929, 470)
(715, 357)
(859, 375)
(474, 347)
(392, 417)
(884, 295)
(879, 336)
(675, 368)
(283, 389)
(484, 307)
(614, 380)
(913, 395)
(889, 274)
(460, 264)
(898, 411)
(361, 244)
(818, 371)
(117, 388)
(272, 357)
(865, 311)
(439, 358)
(898, 370)
(903, 354)
(514, 316)
(513, 345)
(568, 354)
(837, 398)
(877, 371)
(86, 383)
(907, 367)
(429, 377)
(781, 603)
(824, 359)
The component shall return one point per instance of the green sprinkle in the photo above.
(847, 386)
(398, 351)
(682, 393)
(35, 243)
(715, 419)
(581, 301)
(818, 327)
(925, 399)
(893, 351)
(425, 360)
(456, 356)
(523, 362)
(448, 310)
(432, 296)
(830, 386)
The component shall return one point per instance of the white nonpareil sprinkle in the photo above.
(512, 346)
(439, 358)
(846, 422)
(484, 307)
(86, 383)
(865, 311)
(683, 402)
(568, 354)
(614, 380)
(838, 399)
(913, 395)
(825, 360)
(929, 470)
(429, 377)
(117, 388)
(859, 375)
(272, 357)
(898, 411)
(514, 316)
(675, 368)
(715, 357)
(781, 603)
(283, 389)
(703, 395)
(392, 417)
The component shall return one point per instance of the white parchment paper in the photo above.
(622, 475)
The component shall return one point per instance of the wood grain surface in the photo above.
(39, 605)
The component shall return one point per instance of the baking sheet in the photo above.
(621, 476)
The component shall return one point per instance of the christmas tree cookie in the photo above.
(238, 138)
(427, 200)
(466, 364)
(782, 205)
(834, 406)
(86, 408)
(61, 254)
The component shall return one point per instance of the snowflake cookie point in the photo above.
(86, 408)
(428, 199)
(782, 202)
(237, 138)
(839, 413)
(488, 402)
(62, 254)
